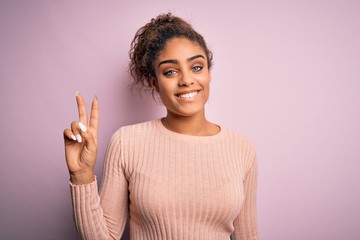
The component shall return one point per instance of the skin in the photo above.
(181, 68)
(81, 156)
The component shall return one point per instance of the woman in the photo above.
(179, 177)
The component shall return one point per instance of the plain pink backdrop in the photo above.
(286, 74)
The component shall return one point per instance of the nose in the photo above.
(186, 79)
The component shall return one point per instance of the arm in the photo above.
(114, 189)
(104, 216)
(246, 223)
(95, 217)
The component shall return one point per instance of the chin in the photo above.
(188, 113)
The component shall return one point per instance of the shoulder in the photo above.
(243, 147)
(239, 139)
(136, 131)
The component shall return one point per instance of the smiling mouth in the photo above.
(187, 95)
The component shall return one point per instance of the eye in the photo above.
(197, 68)
(169, 73)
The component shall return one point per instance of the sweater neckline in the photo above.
(191, 138)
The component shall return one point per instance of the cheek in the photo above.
(205, 80)
(164, 90)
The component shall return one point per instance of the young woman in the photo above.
(179, 177)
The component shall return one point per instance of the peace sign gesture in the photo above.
(81, 143)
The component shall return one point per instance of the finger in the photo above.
(94, 115)
(68, 134)
(81, 108)
(75, 128)
(88, 137)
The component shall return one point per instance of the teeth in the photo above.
(188, 95)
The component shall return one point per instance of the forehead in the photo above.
(180, 48)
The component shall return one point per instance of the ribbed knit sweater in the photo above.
(173, 186)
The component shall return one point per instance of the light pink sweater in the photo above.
(173, 186)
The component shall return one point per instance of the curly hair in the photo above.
(151, 39)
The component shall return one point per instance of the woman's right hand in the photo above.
(81, 143)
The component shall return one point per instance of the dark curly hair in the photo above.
(151, 39)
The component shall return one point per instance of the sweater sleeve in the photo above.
(103, 216)
(246, 223)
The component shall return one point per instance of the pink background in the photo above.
(286, 74)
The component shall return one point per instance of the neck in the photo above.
(195, 125)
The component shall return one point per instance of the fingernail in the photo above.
(82, 127)
(78, 138)
(77, 93)
(73, 137)
(95, 97)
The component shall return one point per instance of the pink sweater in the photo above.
(173, 186)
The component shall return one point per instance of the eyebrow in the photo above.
(176, 61)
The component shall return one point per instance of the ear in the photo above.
(154, 83)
